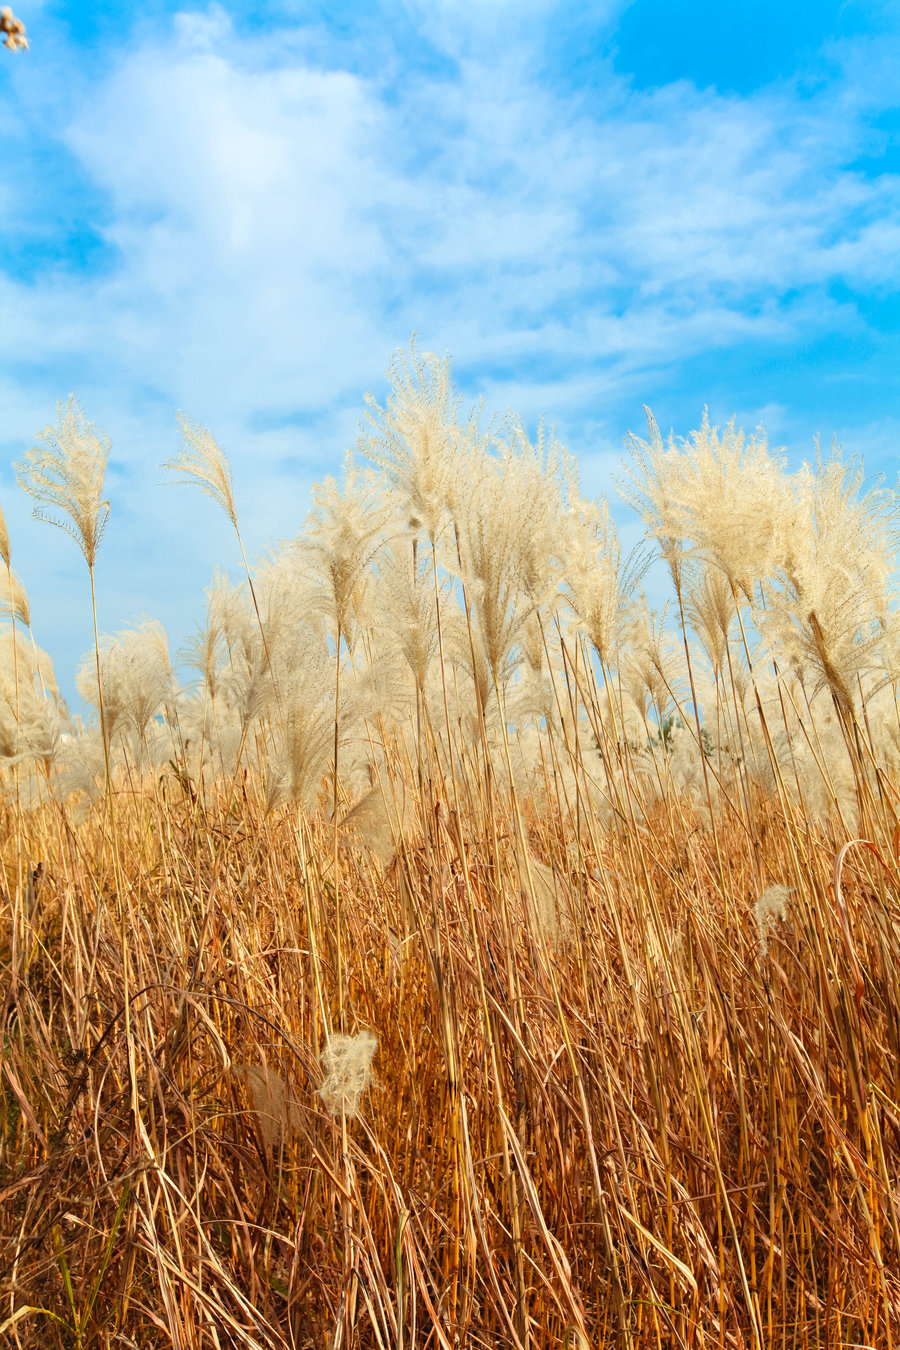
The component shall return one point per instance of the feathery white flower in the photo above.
(347, 1063)
(65, 473)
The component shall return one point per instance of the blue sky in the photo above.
(241, 211)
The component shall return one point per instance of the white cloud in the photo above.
(495, 30)
(277, 225)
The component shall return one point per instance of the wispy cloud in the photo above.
(271, 213)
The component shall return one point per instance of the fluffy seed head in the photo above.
(276, 1112)
(14, 599)
(13, 30)
(202, 461)
(343, 536)
(347, 1063)
(415, 440)
(769, 909)
(65, 473)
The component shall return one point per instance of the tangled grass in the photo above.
(655, 1131)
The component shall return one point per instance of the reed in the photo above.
(474, 956)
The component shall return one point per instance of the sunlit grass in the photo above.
(471, 958)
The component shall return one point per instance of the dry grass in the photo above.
(472, 959)
(654, 1133)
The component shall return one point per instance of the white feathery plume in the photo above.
(65, 473)
(347, 1065)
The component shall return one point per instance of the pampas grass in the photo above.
(64, 474)
(202, 461)
(347, 1064)
(611, 892)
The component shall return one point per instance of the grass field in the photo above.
(469, 958)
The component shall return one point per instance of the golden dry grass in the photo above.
(654, 1132)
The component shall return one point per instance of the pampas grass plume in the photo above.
(202, 461)
(770, 908)
(347, 1062)
(65, 473)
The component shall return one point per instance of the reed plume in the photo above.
(64, 473)
(13, 30)
(347, 1065)
(416, 441)
(202, 462)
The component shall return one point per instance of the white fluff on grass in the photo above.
(770, 909)
(136, 675)
(347, 1063)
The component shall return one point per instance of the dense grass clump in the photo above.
(471, 956)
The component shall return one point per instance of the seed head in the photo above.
(769, 909)
(347, 1062)
(65, 472)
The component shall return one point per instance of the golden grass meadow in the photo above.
(458, 952)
